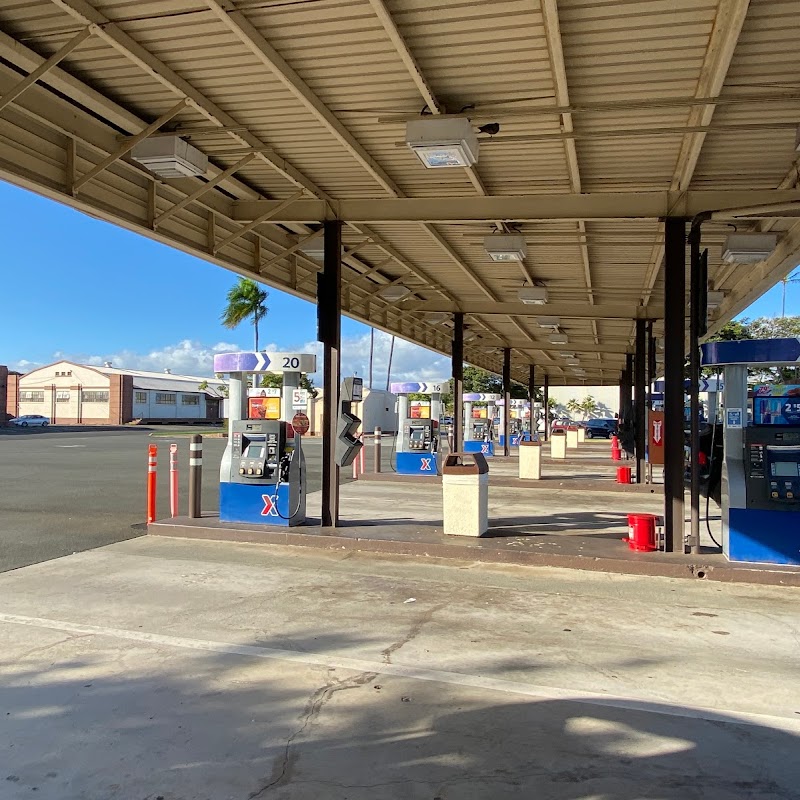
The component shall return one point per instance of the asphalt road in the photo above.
(65, 491)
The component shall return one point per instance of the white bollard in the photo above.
(530, 461)
(581, 435)
(572, 438)
(558, 445)
(465, 494)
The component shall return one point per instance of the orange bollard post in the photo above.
(152, 462)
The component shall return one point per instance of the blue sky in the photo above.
(89, 291)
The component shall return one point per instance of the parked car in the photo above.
(30, 421)
(600, 428)
(560, 425)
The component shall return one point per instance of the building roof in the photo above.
(613, 115)
(166, 382)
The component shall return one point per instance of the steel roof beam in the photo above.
(238, 24)
(43, 68)
(521, 208)
(728, 24)
(626, 311)
(131, 49)
(555, 47)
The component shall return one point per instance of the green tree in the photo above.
(588, 406)
(761, 328)
(223, 390)
(246, 300)
(573, 406)
(479, 380)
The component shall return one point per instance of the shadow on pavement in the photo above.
(133, 721)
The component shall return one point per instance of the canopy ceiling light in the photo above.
(572, 362)
(748, 248)
(170, 157)
(394, 293)
(558, 338)
(567, 355)
(548, 323)
(505, 247)
(469, 335)
(443, 141)
(437, 318)
(532, 295)
(715, 299)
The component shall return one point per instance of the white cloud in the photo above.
(189, 357)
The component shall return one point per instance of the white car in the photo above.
(30, 420)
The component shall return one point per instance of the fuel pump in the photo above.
(417, 444)
(479, 432)
(760, 491)
(262, 472)
(265, 474)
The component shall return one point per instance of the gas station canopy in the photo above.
(572, 129)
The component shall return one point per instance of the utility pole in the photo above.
(789, 279)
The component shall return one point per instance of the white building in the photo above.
(70, 394)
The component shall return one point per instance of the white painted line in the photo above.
(70, 445)
(630, 703)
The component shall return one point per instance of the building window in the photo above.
(94, 397)
(140, 398)
(190, 400)
(31, 397)
(166, 398)
(62, 396)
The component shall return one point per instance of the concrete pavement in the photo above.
(184, 669)
(68, 490)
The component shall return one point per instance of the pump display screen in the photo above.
(255, 451)
(417, 434)
(785, 469)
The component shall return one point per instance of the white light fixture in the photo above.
(548, 323)
(394, 293)
(572, 362)
(437, 318)
(170, 157)
(505, 247)
(443, 141)
(748, 248)
(558, 338)
(567, 355)
(532, 295)
(715, 299)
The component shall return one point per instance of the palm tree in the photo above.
(245, 300)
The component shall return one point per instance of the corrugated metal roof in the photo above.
(590, 96)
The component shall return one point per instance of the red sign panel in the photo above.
(301, 423)
(655, 437)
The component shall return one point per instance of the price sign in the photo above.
(299, 399)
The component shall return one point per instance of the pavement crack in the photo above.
(310, 714)
(414, 631)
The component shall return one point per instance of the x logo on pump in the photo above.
(425, 464)
(270, 503)
(484, 448)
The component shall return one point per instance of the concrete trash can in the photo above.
(558, 445)
(572, 437)
(465, 494)
(581, 435)
(530, 460)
